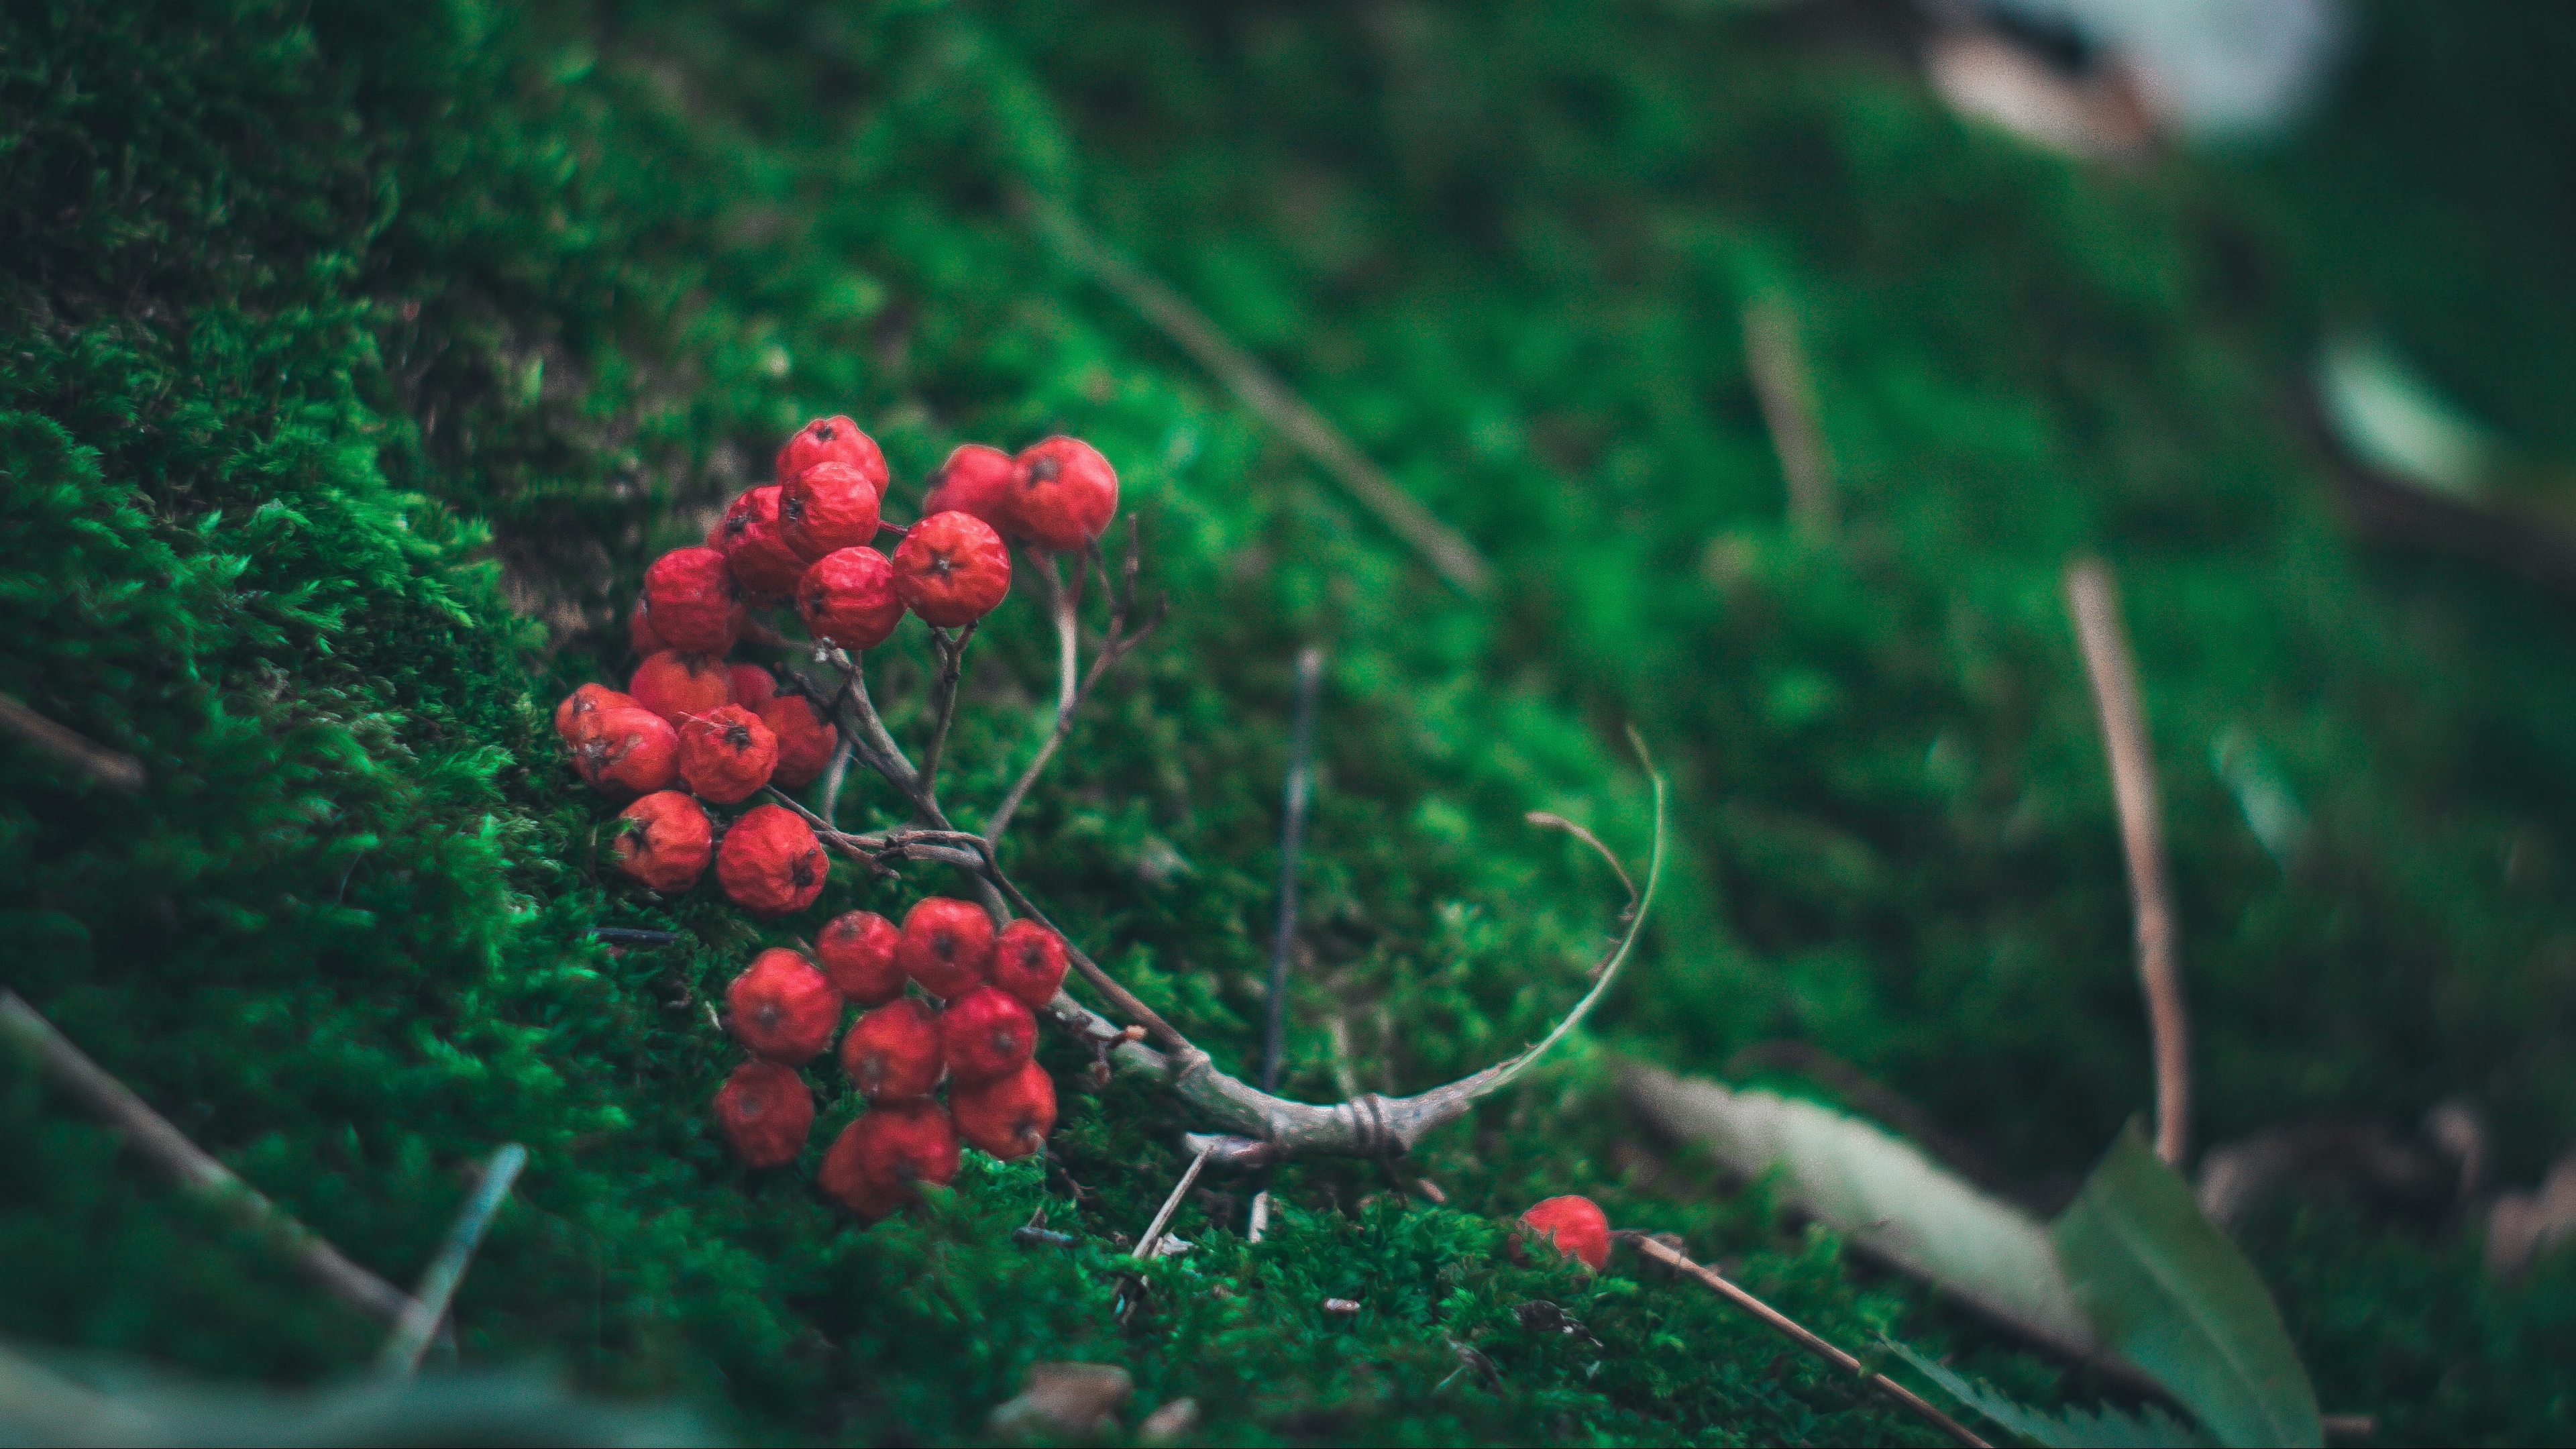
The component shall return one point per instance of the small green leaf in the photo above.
(2103, 1428)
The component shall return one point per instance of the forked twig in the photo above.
(951, 649)
(1074, 688)
(400, 1357)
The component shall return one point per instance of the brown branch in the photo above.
(1114, 646)
(112, 768)
(951, 650)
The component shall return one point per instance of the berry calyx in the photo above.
(782, 1008)
(847, 598)
(1028, 963)
(1574, 1226)
(828, 506)
(1009, 1116)
(665, 841)
(976, 480)
(946, 945)
(753, 686)
(689, 598)
(755, 549)
(572, 716)
(986, 1034)
(895, 1051)
(769, 863)
(805, 742)
(857, 952)
(832, 440)
(726, 754)
(952, 569)
(765, 1112)
(676, 685)
(1063, 494)
(626, 750)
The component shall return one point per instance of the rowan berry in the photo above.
(857, 952)
(828, 506)
(805, 742)
(639, 630)
(905, 1143)
(986, 1034)
(832, 440)
(1009, 1116)
(1063, 494)
(946, 945)
(1028, 963)
(769, 863)
(627, 751)
(665, 841)
(765, 1112)
(976, 480)
(573, 715)
(895, 1051)
(1574, 1226)
(676, 685)
(755, 549)
(847, 598)
(952, 569)
(782, 1008)
(845, 1180)
(726, 754)
(689, 598)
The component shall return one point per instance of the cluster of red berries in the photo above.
(974, 1026)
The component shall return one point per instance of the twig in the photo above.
(112, 768)
(2089, 597)
(1154, 1231)
(1114, 645)
(1797, 1333)
(1292, 831)
(952, 666)
(1260, 1216)
(632, 936)
(1780, 382)
(1547, 821)
(400, 1357)
(166, 1148)
(834, 772)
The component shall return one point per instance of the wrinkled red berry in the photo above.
(1063, 495)
(848, 598)
(639, 631)
(986, 1034)
(726, 754)
(946, 945)
(805, 742)
(857, 952)
(572, 716)
(951, 569)
(770, 863)
(753, 686)
(1575, 1226)
(1028, 963)
(765, 1112)
(782, 1008)
(907, 1142)
(828, 506)
(976, 481)
(676, 685)
(895, 1051)
(754, 548)
(665, 841)
(1009, 1116)
(627, 751)
(832, 440)
(689, 597)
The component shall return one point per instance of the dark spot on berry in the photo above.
(823, 431)
(738, 736)
(1044, 470)
(804, 873)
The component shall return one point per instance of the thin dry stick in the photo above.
(1780, 382)
(1292, 831)
(2090, 598)
(112, 768)
(1547, 820)
(400, 1357)
(1075, 686)
(1449, 553)
(1797, 1333)
(1146, 1245)
(163, 1145)
(951, 650)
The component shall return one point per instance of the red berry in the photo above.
(753, 686)
(627, 751)
(676, 686)
(845, 1180)
(907, 1142)
(770, 863)
(832, 440)
(986, 1034)
(665, 841)
(1028, 963)
(805, 742)
(765, 1111)
(895, 1051)
(754, 548)
(1063, 495)
(782, 1008)
(1009, 1116)
(946, 945)
(689, 598)
(573, 715)
(639, 631)
(828, 506)
(857, 952)
(976, 480)
(951, 569)
(726, 754)
(847, 598)
(1575, 1226)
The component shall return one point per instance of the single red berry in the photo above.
(908, 1142)
(857, 952)
(1063, 494)
(986, 1034)
(639, 631)
(689, 597)
(1028, 963)
(976, 480)
(726, 754)
(946, 945)
(627, 751)
(832, 440)
(753, 686)
(1009, 1116)
(676, 685)
(829, 506)
(895, 1051)
(845, 1180)
(847, 598)
(754, 548)
(1575, 1226)
(766, 1112)
(805, 742)
(782, 1008)
(770, 864)
(665, 841)
(572, 716)
(952, 569)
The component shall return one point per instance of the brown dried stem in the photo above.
(112, 768)
(951, 649)
(1115, 643)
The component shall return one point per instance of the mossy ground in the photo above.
(357, 359)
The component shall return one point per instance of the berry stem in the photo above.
(951, 650)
